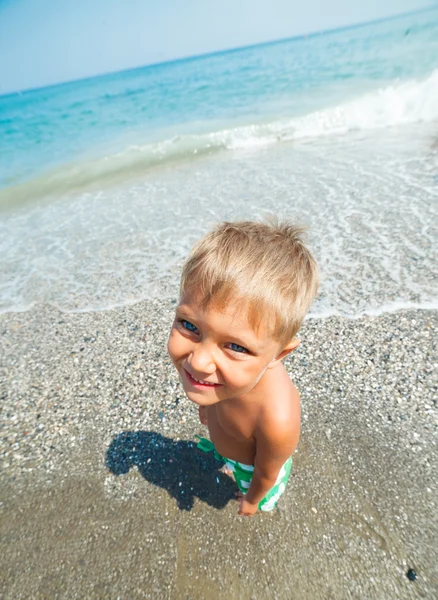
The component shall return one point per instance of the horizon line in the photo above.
(223, 51)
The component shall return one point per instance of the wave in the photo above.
(408, 102)
(401, 103)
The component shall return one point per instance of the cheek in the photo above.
(244, 376)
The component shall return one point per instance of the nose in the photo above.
(202, 360)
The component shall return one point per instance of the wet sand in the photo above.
(105, 496)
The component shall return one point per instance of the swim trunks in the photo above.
(243, 475)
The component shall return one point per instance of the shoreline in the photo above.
(79, 389)
(385, 308)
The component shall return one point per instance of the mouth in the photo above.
(198, 383)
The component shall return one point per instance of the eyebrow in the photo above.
(180, 312)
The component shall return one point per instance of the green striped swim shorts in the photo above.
(243, 475)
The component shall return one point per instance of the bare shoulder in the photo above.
(279, 419)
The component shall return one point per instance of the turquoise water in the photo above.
(104, 186)
(158, 108)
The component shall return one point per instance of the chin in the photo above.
(201, 401)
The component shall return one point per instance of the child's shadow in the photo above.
(179, 467)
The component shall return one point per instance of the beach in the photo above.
(108, 183)
(105, 495)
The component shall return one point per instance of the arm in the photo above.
(273, 447)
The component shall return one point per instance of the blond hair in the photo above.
(265, 267)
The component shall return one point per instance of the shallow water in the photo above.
(369, 201)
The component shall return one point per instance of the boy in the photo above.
(245, 290)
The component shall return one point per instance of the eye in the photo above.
(189, 326)
(237, 348)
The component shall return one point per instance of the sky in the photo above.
(43, 42)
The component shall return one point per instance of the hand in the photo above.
(246, 509)
(203, 415)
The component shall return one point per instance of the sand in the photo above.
(105, 496)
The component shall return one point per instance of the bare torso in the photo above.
(233, 424)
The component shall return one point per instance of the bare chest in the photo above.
(233, 423)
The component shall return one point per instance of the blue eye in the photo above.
(237, 348)
(189, 326)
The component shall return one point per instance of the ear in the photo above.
(290, 347)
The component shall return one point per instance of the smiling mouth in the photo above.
(199, 382)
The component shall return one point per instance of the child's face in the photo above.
(217, 353)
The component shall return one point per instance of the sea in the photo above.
(106, 183)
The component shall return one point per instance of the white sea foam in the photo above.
(404, 102)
